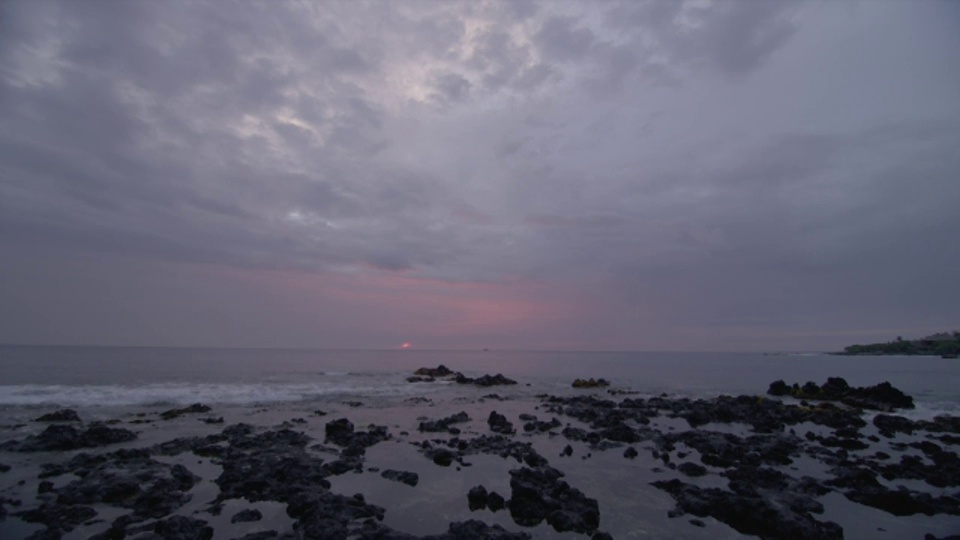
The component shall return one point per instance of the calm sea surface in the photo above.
(117, 376)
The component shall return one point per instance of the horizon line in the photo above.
(410, 349)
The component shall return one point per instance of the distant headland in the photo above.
(945, 344)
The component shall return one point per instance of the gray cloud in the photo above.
(665, 170)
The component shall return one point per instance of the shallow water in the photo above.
(269, 389)
(121, 376)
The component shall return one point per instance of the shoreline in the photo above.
(667, 466)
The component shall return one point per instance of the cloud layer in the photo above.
(618, 175)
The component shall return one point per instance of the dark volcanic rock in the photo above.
(444, 424)
(904, 502)
(496, 502)
(270, 466)
(58, 517)
(63, 415)
(183, 528)
(882, 397)
(862, 486)
(196, 408)
(499, 424)
(692, 469)
(749, 514)
(339, 432)
(246, 516)
(889, 425)
(539, 494)
(128, 480)
(439, 371)
(325, 515)
(408, 478)
(477, 498)
(486, 380)
(539, 426)
(590, 383)
(65, 437)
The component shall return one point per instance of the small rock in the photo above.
(246, 516)
(405, 477)
(63, 415)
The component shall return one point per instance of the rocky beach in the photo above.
(815, 461)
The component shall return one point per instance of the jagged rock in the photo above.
(59, 517)
(246, 516)
(339, 431)
(692, 469)
(477, 498)
(881, 397)
(495, 501)
(748, 514)
(444, 424)
(183, 528)
(630, 452)
(439, 371)
(196, 408)
(63, 415)
(539, 494)
(486, 380)
(862, 487)
(408, 478)
(590, 383)
(499, 424)
(65, 437)
(128, 479)
(533, 424)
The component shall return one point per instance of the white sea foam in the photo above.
(172, 394)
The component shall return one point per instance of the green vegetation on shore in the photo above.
(942, 344)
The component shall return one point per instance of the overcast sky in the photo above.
(735, 175)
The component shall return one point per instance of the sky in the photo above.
(589, 175)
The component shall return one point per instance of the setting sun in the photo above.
(406, 345)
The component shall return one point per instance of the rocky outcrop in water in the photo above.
(499, 424)
(65, 437)
(752, 512)
(590, 383)
(63, 415)
(404, 477)
(196, 408)
(485, 380)
(882, 397)
(538, 494)
(444, 424)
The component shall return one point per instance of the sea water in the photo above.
(35, 376)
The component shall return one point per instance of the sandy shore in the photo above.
(587, 464)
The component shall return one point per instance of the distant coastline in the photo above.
(943, 344)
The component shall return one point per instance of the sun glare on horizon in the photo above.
(406, 345)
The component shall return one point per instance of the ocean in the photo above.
(304, 390)
(39, 376)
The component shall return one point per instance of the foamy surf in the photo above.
(177, 394)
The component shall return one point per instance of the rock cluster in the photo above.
(590, 383)
(196, 408)
(65, 437)
(444, 424)
(882, 397)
